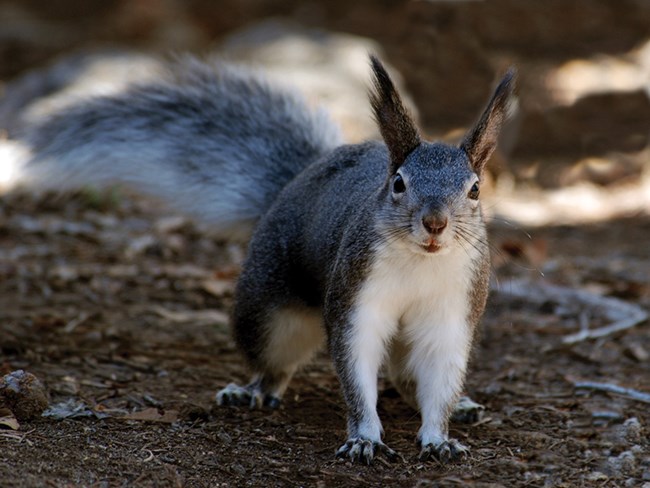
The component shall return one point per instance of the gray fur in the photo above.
(480, 142)
(317, 244)
(336, 223)
(397, 127)
(216, 140)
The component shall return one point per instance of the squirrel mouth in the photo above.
(431, 246)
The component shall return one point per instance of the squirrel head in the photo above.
(432, 189)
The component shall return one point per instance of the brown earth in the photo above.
(120, 308)
(108, 308)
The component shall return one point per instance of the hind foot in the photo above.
(467, 411)
(250, 396)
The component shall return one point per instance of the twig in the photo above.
(18, 436)
(149, 457)
(197, 316)
(622, 315)
(606, 330)
(611, 388)
(74, 323)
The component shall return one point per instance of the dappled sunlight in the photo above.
(582, 153)
(120, 304)
(11, 156)
(579, 78)
(577, 204)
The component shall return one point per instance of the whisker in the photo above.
(474, 243)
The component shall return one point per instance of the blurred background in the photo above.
(118, 304)
(576, 151)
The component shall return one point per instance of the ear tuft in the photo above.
(396, 126)
(479, 143)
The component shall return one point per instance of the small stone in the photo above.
(224, 437)
(597, 476)
(632, 430)
(23, 394)
(622, 464)
(237, 469)
(194, 413)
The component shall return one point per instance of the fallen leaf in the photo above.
(228, 272)
(534, 251)
(184, 271)
(73, 408)
(217, 287)
(7, 419)
(637, 352)
(139, 245)
(166, 225)
(194, 316)
(153, 415)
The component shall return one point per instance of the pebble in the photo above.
(23, 394)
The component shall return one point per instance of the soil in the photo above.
(122, 327)
(120, 307)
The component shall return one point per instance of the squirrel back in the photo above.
(216, 140)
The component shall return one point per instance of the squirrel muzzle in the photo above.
(434, 224)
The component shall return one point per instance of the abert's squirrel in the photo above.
(378, 248)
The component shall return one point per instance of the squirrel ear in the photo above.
(396, 126)
(481, 140)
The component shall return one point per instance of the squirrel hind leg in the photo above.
(293, 334)
(288, 340)
(253, 395)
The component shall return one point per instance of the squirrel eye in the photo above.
(398, 184)
(473, 192)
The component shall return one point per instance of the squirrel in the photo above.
(378, 249)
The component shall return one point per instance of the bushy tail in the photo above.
(215, 140)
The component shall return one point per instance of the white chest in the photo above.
(414, 290)
(415, 308)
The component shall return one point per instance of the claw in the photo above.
(444, 452)
(272, 402)
(256, 401)
(467, 411)
(241, 396)
(364, 450)
(234, 395)
(390, 454)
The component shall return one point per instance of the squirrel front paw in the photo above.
(246, 396)
(363, 450)
(444, 451)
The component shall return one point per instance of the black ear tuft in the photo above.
(396, 126)
(481, 140)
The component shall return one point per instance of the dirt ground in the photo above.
(120, 306)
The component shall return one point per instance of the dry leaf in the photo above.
(534, 252)
(228, 272)
(194, 316)
(154, 415)
(73, 408)
(217, 287)
(139, 245)
(7, 419)
(166, 225)
(184, 271)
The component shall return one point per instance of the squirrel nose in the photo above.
(434, 224)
